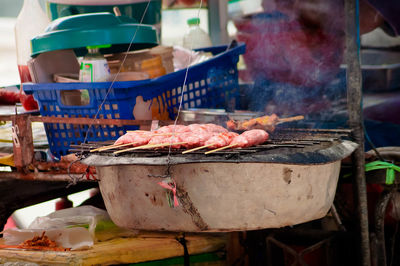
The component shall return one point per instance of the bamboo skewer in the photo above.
(154, 134)
(149, 146)
(262, 122)
(163, 145)
(198, 148)
(290, 119)
(220, 149)
(113, 146)
(130, 149)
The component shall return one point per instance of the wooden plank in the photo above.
(88, 121)
(121, 250)
(39, 176)
(23, 153)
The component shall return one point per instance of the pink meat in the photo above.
(204, 137)
(167, 140)
(126, 138)
(158, 139)
(175, 139)
(120, 140)
(172, 129)
(179, 128)
(191, 140)
(221, 140)
(198, 128)
(143, 138)
(216, 128)
(240, 142)
(164, 129)
(250, 138)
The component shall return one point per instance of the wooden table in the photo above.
(144, 247)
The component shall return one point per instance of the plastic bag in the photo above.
(76, 238)
(182, 56)
(72, 228)
(87, 216)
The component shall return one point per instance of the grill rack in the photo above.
(281, 139)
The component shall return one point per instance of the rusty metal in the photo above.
(23, 153)
(39, 176)
(89, 121)
(380, 212)
(354, 103)
(283, 147)
(23, 150)
(336, 216)
(227, 196)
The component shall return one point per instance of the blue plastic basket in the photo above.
(211, 84)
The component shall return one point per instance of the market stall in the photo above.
(169, 148)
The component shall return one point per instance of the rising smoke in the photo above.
(294, 53)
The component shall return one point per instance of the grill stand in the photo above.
(354, 102)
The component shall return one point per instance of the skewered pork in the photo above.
(264, 122)
(195, 135)
(172, 129)
(136, 138)
(220, 140)
(250, 138)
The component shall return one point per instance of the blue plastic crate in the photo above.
(211, 84)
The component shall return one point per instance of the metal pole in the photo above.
(380, 211)
(217, 21)
(354, 105)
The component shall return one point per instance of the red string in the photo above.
(89, 175)
(172, 188)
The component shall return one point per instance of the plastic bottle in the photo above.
(195, 37)
(94, 67)
(31, 21)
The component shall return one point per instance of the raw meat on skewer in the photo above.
(124, 139)
(194, 135)
(206, 128)
(195, 128)
(157, 140)
(250, 138)
(198, 128)
(246, 139)
(138, 139)
(212, 140)
(173, 129)
(192, 140)
(216, 128)
(220, 140)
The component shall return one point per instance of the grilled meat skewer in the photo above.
(267, 123)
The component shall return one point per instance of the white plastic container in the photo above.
(31, 21)
(196, 37)
(94, 67)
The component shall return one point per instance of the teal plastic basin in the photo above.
(133, 11)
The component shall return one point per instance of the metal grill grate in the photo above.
(301, 145)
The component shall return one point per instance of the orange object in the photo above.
(264, 122)
(267, 123)
(27, 101)
(153, 66)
